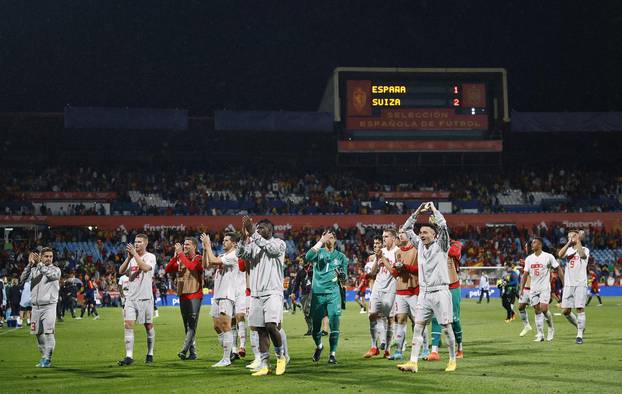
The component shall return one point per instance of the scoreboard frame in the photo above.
(497, 113)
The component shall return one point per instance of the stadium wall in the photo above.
(610, 220)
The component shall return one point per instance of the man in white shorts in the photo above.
(523, 302)
(407, 290)
(225, 290)
(538, 267)
(265, 259)
(575, 278)
(139, 266)
(241, 311)
(382, 293)
(43, 277)
(254, 336)
(432, 246)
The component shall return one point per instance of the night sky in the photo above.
(259, 55)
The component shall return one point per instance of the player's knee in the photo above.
(566, 311)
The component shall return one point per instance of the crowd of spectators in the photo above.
(217, 191)
(482, 247)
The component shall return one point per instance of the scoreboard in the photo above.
(424, 104)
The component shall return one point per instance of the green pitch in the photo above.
(496, 359)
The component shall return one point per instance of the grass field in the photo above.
(496, 358)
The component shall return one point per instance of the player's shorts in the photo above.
(222, 306)
(393, 310)
(43, 319)
(435, 303)
(361, 293)
(574, 297)
(140, 311)
(406, 304)
(540, 297)
(25, 307)
(240, 304)
(381, 302)
(594, 290)
(524, 298)
(247, 304)
(266, 309)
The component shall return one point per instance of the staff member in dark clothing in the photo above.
(14, 295)
(188, 266)
(302, 284)
(69, 292)
(508, 287)
(59, 304)
(89, 290)
(2, 303)
(163, 289)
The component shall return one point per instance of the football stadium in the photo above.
(310, 197)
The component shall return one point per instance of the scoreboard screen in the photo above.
(421, 99)
(420, 109)
(416, 105)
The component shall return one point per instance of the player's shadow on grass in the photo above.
(96, 374)
(390, 379)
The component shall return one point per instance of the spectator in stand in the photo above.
(291, 192)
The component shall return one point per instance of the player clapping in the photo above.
(265, 259)
(138, 266)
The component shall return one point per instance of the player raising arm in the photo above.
(575, 277)
(432, 246)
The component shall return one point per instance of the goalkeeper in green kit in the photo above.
(330, 266)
